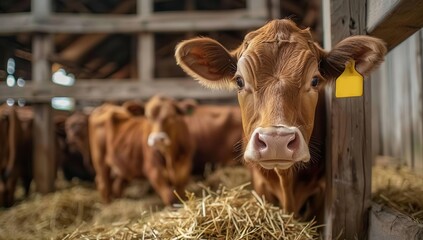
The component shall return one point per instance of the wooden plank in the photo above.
(44, 161)
(158, 22)
(144, 8)
(145, 50)
(400, 104)
(146, 56)
(348, 161)
(114, 90)
(257, 9)
(387, 224)
(394, 20)
(275, 9)
(417, 99)
(376, 86)
(43, 132)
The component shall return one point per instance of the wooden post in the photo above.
(257, 9)
(43, 138)
(145, 48)
(348, 161)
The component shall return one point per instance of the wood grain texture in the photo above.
(394, 20)
(123, 89)
(387, 224)
(349, 163)
(43, 132)
(157, 22)
(398, 100)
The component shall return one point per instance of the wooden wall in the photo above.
(397, 105)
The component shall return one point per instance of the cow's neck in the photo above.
(286, 178)
(290, 178)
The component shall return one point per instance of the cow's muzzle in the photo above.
(277, 146)
(158, 139)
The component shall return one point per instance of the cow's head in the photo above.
(278, 71)
(164, 115)
(76, 128)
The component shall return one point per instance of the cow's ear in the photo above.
(207, 61)
(367, 52)
(187, 106)
(136, 108)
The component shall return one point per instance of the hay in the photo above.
(225, 214)
(213, 212)
(399, 189)
(76, 206)
(43, 217)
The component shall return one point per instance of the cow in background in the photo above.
(73, 151)
(155, 146)
(217, 132)
(280, 72)
(15, 153)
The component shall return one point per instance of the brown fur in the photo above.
(119, 148)
(217, 132)
(15, 153)
(277, 63)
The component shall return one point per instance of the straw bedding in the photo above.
(399, 189)
(213, 209)
(226, 214)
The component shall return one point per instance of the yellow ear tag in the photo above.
(350, 83)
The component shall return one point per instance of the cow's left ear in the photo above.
(367, 52)
(186, 106)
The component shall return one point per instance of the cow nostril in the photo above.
(293, 142)
(261, 144)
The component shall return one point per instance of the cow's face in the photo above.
(278, 71)
(76, 127)
(164, 115)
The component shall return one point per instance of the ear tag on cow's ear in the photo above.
(349, 83)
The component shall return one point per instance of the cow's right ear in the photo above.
(207, 61)
(135, 107)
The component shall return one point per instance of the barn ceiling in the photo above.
(101, 56)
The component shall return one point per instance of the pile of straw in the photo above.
(225, 214)
(399, 189)
(77, 205)
(43, 217)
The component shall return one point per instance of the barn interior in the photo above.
(58, 57)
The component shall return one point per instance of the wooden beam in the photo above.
(145, 50)
(348, 161)
(158, 22)
(388, 224)
(122, 89)
(257, 9)
(43, 130)
(394, 20)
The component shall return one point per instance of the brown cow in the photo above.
(127, 147)
(73, 152)
(217, 132)
(73, 139)
(280, 73)
(15, 154)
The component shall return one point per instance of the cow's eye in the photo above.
(240, 82)
(315, 81)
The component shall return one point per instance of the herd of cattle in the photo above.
(163, 140)
(280, 73)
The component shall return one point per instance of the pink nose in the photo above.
(277, 146)
(282, 143)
